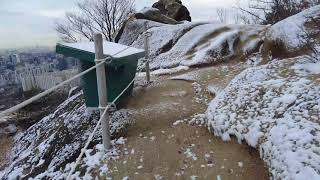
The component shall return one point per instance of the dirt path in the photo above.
(159, 145)
(5, 147)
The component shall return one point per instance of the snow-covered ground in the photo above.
(92, 163)
(276, 109)
(53, 142)
(307, 68)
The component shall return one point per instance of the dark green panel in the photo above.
(119, 74)
(76, 53)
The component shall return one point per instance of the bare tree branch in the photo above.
(222, 15)
(251, 13)
(272, 11)
(102, 16)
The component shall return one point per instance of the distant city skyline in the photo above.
(31, 23)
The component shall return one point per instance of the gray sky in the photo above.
(31, 22)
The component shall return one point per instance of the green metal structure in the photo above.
(119, 73)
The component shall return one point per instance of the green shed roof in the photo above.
(85, 50)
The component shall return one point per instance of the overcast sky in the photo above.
(31, 22)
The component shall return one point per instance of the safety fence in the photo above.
(103, 113)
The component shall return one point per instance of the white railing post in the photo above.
(102, 90)
(146, 48)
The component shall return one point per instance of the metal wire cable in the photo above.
(95, 130)
(40, 95)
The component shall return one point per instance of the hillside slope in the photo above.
(52, 143)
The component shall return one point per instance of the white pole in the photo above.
(102, 91)
(146, 47)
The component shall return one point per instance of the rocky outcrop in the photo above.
(173, 43)
(194, 44)
(164, 12)
(57, 139)
(173, 9)
(132, 29)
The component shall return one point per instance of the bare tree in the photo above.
(311, 39)
(222, 15)
(103, 16)
(272, 11)
(241, 17)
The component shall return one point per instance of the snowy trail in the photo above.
(163, 144)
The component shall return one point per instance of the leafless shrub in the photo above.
(310, 38)
(272, 11)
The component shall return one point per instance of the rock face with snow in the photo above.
(132, 29)
(163, 11)
(275, 108)
(191, 44)
(173, 9)
(57, 139)
(287, 36)
(154, 14)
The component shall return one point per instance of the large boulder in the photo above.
(163, 11)
(154, 14)
(194, 44)
(173, 9)
(134, 25)
(275, 108)
(132, 29)
(290, 36)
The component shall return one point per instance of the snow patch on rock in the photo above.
(190, 44)
(305, 68)
(277, 111)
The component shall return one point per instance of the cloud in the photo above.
(59, 13)
(32, 21)
(23, 38)
(27, 29)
